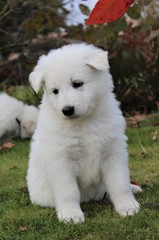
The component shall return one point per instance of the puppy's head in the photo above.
(75, 78)
(28, 121)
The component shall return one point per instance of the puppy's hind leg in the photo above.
(116, 178)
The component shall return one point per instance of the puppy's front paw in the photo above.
(127, 208)
(66, 216)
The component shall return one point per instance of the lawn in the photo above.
(22, 220)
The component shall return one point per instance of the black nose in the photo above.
(68, 111)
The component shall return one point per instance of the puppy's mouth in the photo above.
(75, 116)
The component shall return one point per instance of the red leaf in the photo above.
(134, 183)
(108, 11)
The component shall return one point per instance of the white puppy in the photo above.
(16, 117)
(79, 148)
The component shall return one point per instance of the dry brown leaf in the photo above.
(13, 56)
(154, 135)
(8, 145)
(136, 119)
(23, 228)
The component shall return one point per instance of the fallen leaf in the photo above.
(8, 145)
(23, 228)
(154, 135)
(134, 183)
(136, 119)
(13, 56)
(108, 11)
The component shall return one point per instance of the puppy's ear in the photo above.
(98, 60)
(36, 78)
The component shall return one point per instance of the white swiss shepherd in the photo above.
(79, 149)
(16, 118)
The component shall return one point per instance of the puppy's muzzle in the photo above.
(68, 111)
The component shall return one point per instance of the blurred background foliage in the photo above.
(33, 27)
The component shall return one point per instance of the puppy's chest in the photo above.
(86, 157)
(80, 147)
(76, 148)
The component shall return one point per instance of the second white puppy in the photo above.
(16, 118)
(79, 148)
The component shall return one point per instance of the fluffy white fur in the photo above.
(16, 117)
(79, 157)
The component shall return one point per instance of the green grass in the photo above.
(22, 220)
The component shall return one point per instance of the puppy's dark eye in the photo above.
(77, 84)
(55, 91)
